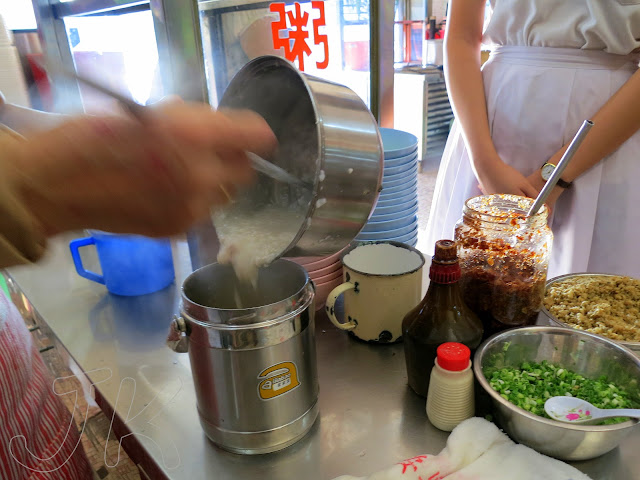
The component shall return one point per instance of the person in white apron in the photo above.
(552, 66)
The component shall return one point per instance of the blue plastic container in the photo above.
(394, 162)
(410, 238)
(397, 143)
(131, 264)
(384, 226)
(380, 217)
(395, 208)
(387, 234)
(410, 164)
(385, 200)
(400, 178)
(403, 187)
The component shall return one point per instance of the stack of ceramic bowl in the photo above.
(395, 216)
(325, 272)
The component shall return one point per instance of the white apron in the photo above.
(537, 98)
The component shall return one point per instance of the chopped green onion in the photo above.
(530, 385)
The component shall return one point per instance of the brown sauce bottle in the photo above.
(442, 316)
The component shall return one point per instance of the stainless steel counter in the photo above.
(369, 419)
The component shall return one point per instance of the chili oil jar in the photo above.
(503, 257)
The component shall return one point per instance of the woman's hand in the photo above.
(155, 177)
(538, 183)
(494, 176)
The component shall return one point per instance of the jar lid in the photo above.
(453, 356)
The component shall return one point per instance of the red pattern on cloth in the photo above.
(38, 437)
(411, 462)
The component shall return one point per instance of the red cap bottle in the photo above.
(453, 356)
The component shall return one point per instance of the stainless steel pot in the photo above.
(327, 137)
(254, 368)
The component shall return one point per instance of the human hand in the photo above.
(153, 178)
(495, 176)
(538, 183)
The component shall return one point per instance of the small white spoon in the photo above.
(575, 410)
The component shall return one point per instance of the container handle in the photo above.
(178, 340)
(331, 303)
(77, 261)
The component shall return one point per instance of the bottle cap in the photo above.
(446, 251)
(453, 356)
(445, 268)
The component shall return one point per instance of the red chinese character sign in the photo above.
(293, 23)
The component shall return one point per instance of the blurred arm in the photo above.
(25, 120)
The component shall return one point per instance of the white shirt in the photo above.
(609, 25)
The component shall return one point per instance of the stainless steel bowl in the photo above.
(585, 353)
(328, 138)
(635, 346)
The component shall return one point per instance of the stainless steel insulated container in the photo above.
(252, 353)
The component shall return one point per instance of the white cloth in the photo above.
(537, 98)
(608, 25)
(478, 450)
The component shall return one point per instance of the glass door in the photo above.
(328, 39)
(112, 41)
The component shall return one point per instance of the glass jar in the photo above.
(504, 258)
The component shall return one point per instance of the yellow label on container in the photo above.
(278, 380)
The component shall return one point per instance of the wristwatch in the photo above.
(547, 170)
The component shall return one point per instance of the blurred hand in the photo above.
(155, 177)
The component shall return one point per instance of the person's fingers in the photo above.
(121, 175)
(529, 190)
(237, 166)
(259, 138)
(167, 101)
(199, 124)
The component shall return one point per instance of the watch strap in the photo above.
(561, 183)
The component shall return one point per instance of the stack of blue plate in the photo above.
(395, 216)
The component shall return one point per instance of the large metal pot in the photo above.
(328, 137)
(254, 364)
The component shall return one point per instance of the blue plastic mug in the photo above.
(131, 264)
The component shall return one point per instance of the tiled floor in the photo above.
(95, 429)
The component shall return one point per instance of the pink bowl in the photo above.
(323, 290)
(333, 268)
(315, 263)
(327, 278)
